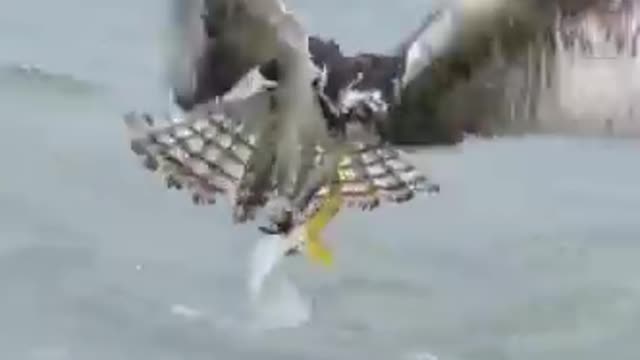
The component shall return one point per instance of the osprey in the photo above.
(276, 118)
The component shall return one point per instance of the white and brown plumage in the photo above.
(272, 114)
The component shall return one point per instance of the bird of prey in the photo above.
(276, 118)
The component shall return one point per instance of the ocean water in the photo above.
(530, 252)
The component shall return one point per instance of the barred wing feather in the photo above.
(207, 155)
(369, 176)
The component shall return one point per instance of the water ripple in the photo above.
(28, 76)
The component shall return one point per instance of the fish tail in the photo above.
(317, 250)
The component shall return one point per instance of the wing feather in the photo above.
(211, 152)
(432, 40)
(369, 176)
(216, 42)
(206, 155)
(460, 34)
(233, 138)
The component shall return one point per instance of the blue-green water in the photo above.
(530, 252)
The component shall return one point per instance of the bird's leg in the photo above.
(257, 181)
(324, 174)
(253, 187)
(322, 215)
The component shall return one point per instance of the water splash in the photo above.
(276, 301)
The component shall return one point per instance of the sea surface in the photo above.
(530, 252)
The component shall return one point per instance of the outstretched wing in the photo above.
(224, 75)
(459, 42)
(217, 42)
(204, 156)
(371, 175)
(460, 34)
(207, 153)
(431, 40)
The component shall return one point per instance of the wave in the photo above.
(27, 76)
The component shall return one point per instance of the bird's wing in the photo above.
(208, 152)
(458, 29)
(462, 44)
(454, 45)
(225, 143)
(433, 39)
(216, 42)
(371, 175)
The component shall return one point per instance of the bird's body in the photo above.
(275, 117)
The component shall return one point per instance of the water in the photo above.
(530, 252)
